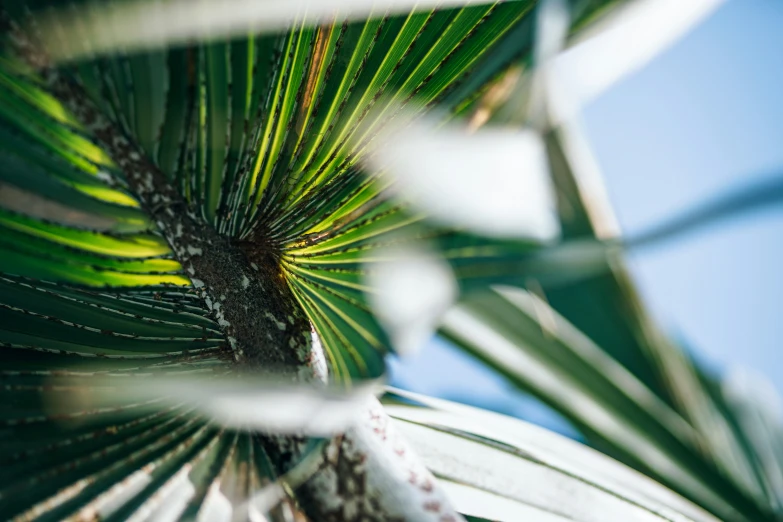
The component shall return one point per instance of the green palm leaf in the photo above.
(201, 202)
(509, 470)
(584, 344)
(259, 137)
(262, 137)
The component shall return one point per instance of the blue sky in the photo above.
(699, 120)
(704, 117)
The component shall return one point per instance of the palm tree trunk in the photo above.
(367, 474)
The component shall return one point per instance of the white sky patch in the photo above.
(494, 182)
(283, 412)
(258, 402)
(142, 24)
(743, 385)
(411, 290)
(620, 46)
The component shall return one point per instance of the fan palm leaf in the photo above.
(215, 178)
(199, 206)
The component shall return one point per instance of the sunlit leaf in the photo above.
(260, 119)
(501, 468)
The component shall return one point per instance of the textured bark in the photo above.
(245, 293)
(367, 474)
(250, 301)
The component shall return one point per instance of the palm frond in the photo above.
(259, 137)
(175, 173)
(262, 136)
(510, 470)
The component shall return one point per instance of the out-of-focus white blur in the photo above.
(494, 182)
(619, 46)
(411, 288)
(101, 28)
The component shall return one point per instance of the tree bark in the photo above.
(367, 474)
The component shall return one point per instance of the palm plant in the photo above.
(206, 222)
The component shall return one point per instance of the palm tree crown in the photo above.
(203, 235)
